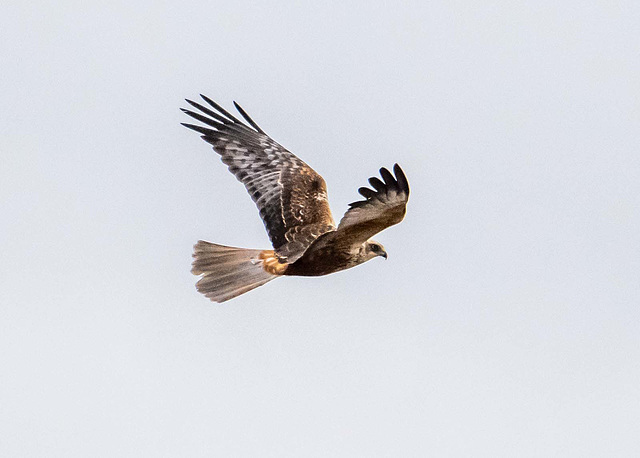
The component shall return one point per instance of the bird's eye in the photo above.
(375, 248)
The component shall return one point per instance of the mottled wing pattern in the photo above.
(384, 206)
(290, 195)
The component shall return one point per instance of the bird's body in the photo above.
(292, 200)
(328, 254)
(323, 257)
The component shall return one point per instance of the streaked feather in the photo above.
(288, 193)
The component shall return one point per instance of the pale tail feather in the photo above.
(226, 271)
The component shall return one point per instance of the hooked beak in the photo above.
(384, 254)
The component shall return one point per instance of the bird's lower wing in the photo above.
(384, 206)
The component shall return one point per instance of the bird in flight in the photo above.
(292, 200)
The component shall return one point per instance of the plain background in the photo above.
(506, 321)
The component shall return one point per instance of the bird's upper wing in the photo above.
(291, 196)
(382, 207)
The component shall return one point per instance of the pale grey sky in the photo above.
(506, 321)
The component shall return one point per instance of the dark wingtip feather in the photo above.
(247, 117)
(220, 109)
(403, 183)
(202, 130)
(202, 118)
(366, 192)
(377, 184)
(209, 112)
(387, 177)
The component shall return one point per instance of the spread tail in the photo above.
(228, 272)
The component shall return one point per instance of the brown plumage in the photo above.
(292, 200)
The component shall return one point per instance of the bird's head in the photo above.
(373, 249)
